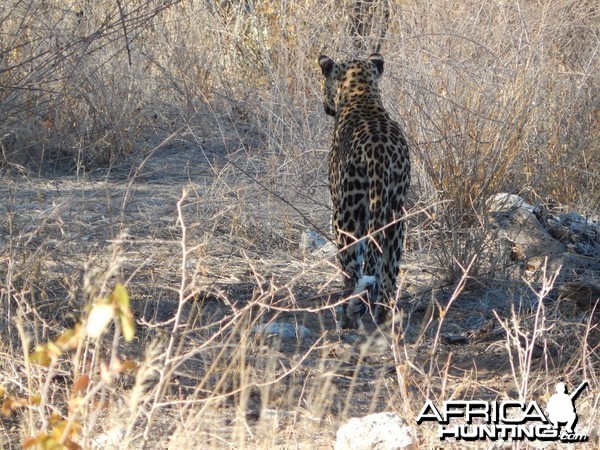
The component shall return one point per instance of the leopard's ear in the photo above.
(377, 59)
(326, 64)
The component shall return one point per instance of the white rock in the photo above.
(311, 241)
(328, 249)
(505, 202)
(382, 431)
(515, 221)
(113, 438)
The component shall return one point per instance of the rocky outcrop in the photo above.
(544, 241)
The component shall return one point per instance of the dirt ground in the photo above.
(243, 226)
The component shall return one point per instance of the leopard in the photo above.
(369, 177)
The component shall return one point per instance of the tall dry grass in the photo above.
(495, 97)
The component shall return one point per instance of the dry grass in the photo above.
(179, 148)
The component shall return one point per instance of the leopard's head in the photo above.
(348, 79)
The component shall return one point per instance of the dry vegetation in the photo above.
(178, 149)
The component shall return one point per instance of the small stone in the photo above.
(311, 241)
(506, 202)
(113, 438)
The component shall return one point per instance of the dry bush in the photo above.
(72, 92)
(499, 106)
(497, 99)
